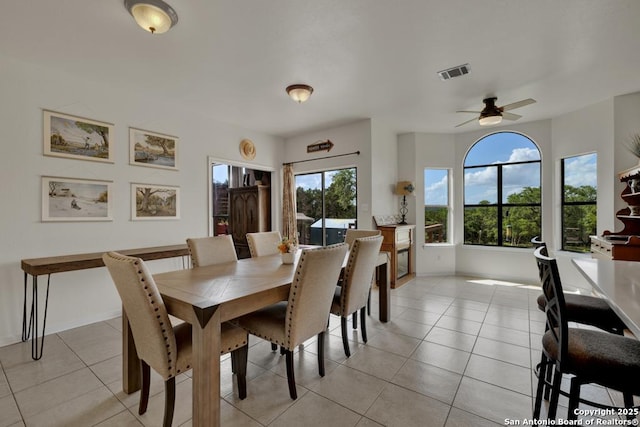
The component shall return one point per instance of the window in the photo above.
(502, 195)
(579, 188)
(436, 205)
(326, 205)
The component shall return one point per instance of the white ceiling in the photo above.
(232, 59)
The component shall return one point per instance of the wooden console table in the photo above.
(58, 264)
(398, 241)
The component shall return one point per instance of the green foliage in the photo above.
(434, 216)
(340, 197)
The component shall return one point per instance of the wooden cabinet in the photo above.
(625, 244)
(249, 212)
(398, 240)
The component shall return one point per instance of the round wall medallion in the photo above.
(247, 149)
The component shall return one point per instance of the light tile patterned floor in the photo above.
(458, 352)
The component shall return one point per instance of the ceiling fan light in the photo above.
(299, 93)
(490, 120)
(154, 16)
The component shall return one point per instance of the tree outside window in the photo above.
(436, 205)
(502, 194)
(579, 201)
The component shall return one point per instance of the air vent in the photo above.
(450, 73)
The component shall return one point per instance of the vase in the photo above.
(287, 258)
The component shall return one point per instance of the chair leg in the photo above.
(574, 396)
(363, 325)
(541, 387)
(549, 378)
(274, 347)
(321, 354)
(369, 303)
(290, 375)
(345, 341)
(628, 403)
(239, 359)
(144, 389)
(555, 393)
(169, 401)
(354, 320)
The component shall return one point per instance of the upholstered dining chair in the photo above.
(263, 243)
(584, 309)
(591, 356)
(161, 346)
(211, 250)
(353, 292)
(351, 235)
(290, 323)
(355, 233)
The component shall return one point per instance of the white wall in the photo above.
(420, 151)
(83, 297)
(384, 155)
(347, 139)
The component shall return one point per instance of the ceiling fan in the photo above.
(492, 114)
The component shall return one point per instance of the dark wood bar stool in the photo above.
(591, 356)
(584, 309)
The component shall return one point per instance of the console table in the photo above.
(58, 264)
(397, 239)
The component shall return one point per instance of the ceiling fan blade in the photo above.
(467, 111)
(468, 121)
(518, 104)
(511, 116)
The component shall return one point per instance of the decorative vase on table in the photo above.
(288, 257)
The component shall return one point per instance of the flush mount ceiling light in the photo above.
(154, 16)
(299, 92)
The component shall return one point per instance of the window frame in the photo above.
(500, 205)
(448, 206)
(564, 203)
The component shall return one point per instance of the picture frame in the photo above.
(154, 202)
(73, 199)
(152, 149)
(77, 137)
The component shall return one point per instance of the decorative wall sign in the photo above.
(151, 202)
(247, 149)
(77, 137)
(153, 149)
(320, 146)
(69, 199)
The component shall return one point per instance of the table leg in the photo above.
(131, 379)
(384, 286)
(206, 372)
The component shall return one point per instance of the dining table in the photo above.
(619, 283)
(207, 296)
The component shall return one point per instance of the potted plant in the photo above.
(287, 249)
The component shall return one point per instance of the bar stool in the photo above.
(591, 356)
(584, 309)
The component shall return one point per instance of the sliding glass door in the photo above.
(326, 205)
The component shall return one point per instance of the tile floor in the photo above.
(458, 352)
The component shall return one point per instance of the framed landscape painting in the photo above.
(150, 202)
(77, 138)
(70, 199)
(153, 149)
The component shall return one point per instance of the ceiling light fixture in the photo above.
(491, 114)
(490, 120)
(299, 92)
(154, 16)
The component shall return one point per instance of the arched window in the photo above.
(502, 191)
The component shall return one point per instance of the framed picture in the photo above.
(70, 199)
(153, 149)
(149, 202)
(77, 138)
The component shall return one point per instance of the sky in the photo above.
(505, 147)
